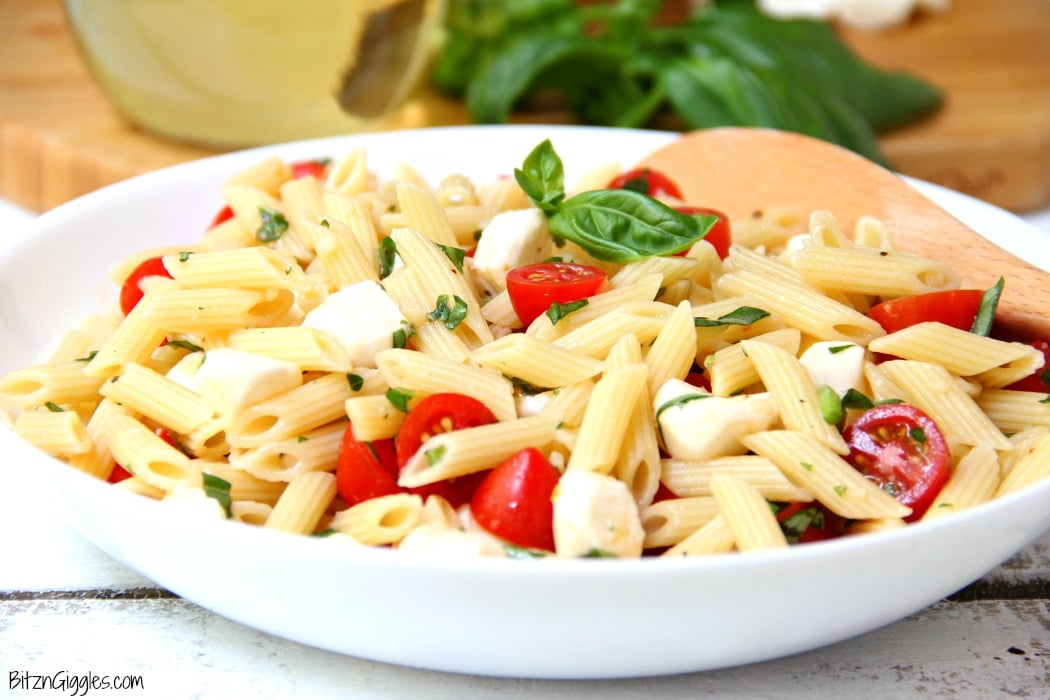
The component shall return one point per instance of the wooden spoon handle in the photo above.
(741, 170)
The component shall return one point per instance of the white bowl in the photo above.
(546, 619)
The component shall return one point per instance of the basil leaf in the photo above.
(830, 405)
(621, 225)
(982, 322)
(855, 399)
(356, 381)
(542, 178)
(450, 316)
(387, 257)
(679, 401)
(273, 226)
(743, 316)
(219, 489)
(556, 312)
(186, 345)
(399, 398)
(455, 254)
(54, 407)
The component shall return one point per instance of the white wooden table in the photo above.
(68, 611)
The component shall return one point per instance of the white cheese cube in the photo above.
(194, 503)
(695, 424)
(512, 239)
(232, 380)
(362, 317)
(595, 515)
(435, 542)
(838, 364)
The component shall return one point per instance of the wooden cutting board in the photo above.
(59, 138)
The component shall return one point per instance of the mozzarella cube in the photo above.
(434, 542)
(234, 379)
(362, 317)
(838, 364)
(194, 503)
(695, 424)
(512, 239)
(595, 514)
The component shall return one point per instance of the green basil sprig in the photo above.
(611, 225)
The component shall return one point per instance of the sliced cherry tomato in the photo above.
(118, 474)
(902, 450)
(514, 503)
(131, 292)
(442, 413)
(318, 168)
(955, 307)
(719, 235)
(533, 288)
(1040, 379)
(224, 214)
(647, 181)
(359, 473)
(810, 522)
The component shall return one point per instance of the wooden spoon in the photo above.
(739, 170)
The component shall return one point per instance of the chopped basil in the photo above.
(796, 524)
(54, 407)
(328, 532)
(434, 456)
(596, 553)
(273, 226)
(399, 398)
(982, 323)
(399, 338)
(830, 405)
(356, 381)
(840, 348)
(1046, 400)
(514, 551)
(452, 315)
(524, 387)
(87, 358)
(840, 489)
(186, 345)
(325, 224)
(219, 489)
(302, 438)
(807, 466)
(855, 399)
(456, 255)
(556, 312)
(387, 256)
(744, 316)
(945, 505)
(679, 401)
(918, 435)
(184, 256)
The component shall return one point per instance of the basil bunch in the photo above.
(726, 64)
(611, 225)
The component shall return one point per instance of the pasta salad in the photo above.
(514, 368)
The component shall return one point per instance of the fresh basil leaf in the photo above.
(855, 399)
(273, 226)
(679, 401)
(399, 398)
(450, 316)
(830, 405)
(621, 225)
(982, 323)
(356, 381)
(53, 407)
(514, 551)
(387, 257)
(796, 524)
(219, 489)
(743, 316)
(185, 345)
(556, 312)
(455, 254)
(542, 178)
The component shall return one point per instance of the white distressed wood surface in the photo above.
(67, 607)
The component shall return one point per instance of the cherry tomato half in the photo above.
(533, 288)
(318, 168)
(131, 292)
(647, 181)
(224, 214)
(902, 450)
(719, 235)
(359, 473)
(955, 307)
(1040, 379)
(118, 474)
(514, 503)
(442, 413)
